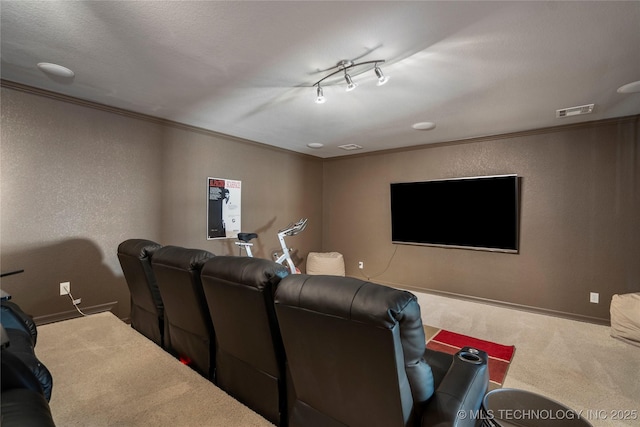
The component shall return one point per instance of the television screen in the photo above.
(471, 213)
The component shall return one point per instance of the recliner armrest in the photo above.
(13, 317)
(23, 407)
(457, 400)
(20, 356)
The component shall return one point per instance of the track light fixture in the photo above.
(343, 66)
(382, 79)
(320, 99)
(350, 84)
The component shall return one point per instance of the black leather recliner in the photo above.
(23, 401)
(147, 308)
(250, 360)
(26, 382)
(22, 336)
(357, 357)
(192, 337)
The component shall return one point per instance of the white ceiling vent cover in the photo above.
(574, 111)
(350, 147)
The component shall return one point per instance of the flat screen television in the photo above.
(479, 213)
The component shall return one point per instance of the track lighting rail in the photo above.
(343, 66)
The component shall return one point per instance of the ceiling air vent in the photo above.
(350, 147)
(574, 111)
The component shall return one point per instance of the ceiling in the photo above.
(247, 69)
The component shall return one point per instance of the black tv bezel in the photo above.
(517, 183)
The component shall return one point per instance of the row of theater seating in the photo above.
(299, 350)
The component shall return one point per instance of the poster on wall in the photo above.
(223, 208)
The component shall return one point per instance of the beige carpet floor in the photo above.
(576, 363)
(107, 374)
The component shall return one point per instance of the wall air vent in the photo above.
(574, 111)
(350, 147)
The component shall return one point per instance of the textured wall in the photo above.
(278, 187)
(76, 181)
(580, 218)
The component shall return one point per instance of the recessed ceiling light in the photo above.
(424, 126)
(315, 145)
(633, 87)
(55, 70)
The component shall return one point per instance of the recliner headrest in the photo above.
(346, 297)
(255, 272)
(181, 258)
(140, 248)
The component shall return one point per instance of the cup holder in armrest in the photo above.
(470, 355)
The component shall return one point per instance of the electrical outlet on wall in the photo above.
(594, 297)
(65, 288)
(360, 265)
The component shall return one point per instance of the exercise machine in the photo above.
(244, 242)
